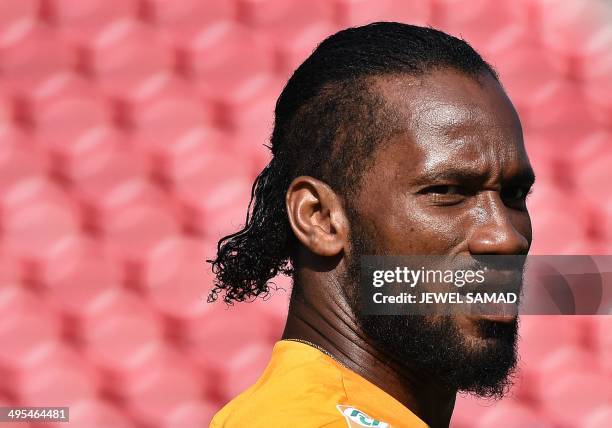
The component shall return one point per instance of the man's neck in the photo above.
(334, 329)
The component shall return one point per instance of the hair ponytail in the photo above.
(248, 259)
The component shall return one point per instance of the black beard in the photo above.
(436, 345)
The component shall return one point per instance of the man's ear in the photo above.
(316, 216)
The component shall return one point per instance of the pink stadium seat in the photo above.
(132, 233)
(578, 393)
(125, 55)
(591, 246)
(588, 173)
(230, 329)
(599, 418)
(530, 105)
(294, 40)
(14, 299)
(180, 152)
(81, 155)
(576, 32)
(603, 340)
(225, 181)
(72, 113)
(548, 163)
(82, 20)
(217, 55)
(591, 179)
(222, 212)
(174, 18)
(26, 332)
(16, 18)
(564, 360)
(249, 103)
(273, 13)
(598, 58)
(243, 369)
(541, 336)
(607, 224)
(236, 81)
(293, 27)
(511, 65)
(358, 12)
(510, 414)
(178, 279)
(547, 221)
(465, 409)
(551, 197)
(254, 140)
(120, 334)
(560, 109)
(293, 45)
(191, 415)
(514, 37)
(7, 402)
(170, 115)
(154, 394)
(112, 184)
(130, 102)
(479, 23)
(47, 94)
(56, 386)
(6, 109)
(36, 57)
(9, 269)
(55, 356)
(80, 285)
(589, 149)
(599, 83)
(96, 413)
(19, 161)
(38, 218)
(231, 75)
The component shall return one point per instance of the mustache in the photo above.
(502, 273)
(500, 263)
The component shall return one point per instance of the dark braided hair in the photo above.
(328, 121)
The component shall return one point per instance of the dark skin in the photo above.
(453, 183)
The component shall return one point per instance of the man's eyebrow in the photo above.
(450, 174)
(524, 176)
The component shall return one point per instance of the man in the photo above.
(389, 139)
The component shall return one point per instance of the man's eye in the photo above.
(445, 190)
(515, 193)
(444, 195)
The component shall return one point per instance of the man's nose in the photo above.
(494, 232)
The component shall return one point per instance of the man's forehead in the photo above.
(453, 120)
(448, 99)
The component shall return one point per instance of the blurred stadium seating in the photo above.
(130, 133)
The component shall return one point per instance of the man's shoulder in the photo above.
(283, 417)
(302, 395)
(305, 409)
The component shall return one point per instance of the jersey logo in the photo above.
(356, 418)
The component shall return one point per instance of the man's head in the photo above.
(389, 139)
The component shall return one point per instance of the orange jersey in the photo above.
(303, 388)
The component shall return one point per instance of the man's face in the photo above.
(454, 183)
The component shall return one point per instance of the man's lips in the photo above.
(497, 283)
(496, 318)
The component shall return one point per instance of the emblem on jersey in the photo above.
(356, 418)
